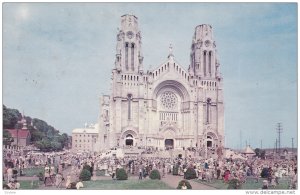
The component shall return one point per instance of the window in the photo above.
(129, 106)
(132, 56)
(209, 62)
(207, 110)
(204, 63)
(169, 100)
(126, 55)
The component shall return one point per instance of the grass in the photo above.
(145, 184)
(100, 172)
(29, 172)
(28, 185)
(249, 185)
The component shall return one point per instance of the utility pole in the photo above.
(241, 140)
(276, 146)
(279, 131)
(292, 145)
(261, 144)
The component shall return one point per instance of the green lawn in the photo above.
(249, 185)
(145, 184)
(29, 172)
(28, 185)
(100, 172)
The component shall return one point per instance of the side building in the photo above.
(85, 139)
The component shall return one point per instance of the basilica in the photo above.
(168, 106)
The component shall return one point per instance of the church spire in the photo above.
(203, 53)
(170, 56)
(129, 57)
(24, 122)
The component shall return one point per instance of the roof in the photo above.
(248, 150)
(19, 133)
(86, 130)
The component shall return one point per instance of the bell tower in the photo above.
(204, 62)
(129, 58)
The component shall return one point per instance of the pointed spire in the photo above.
(24, 122)
(170, 56)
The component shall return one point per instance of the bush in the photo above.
(121, 174)
(187, 183)
(175, 169)
(41, 176)
(87, 167)
(190, 173)
(154, 174)
(265, 173)
(234, 184)
(85, 175)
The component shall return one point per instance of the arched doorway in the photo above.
(129, 140)
(209, 142)
(169, 144)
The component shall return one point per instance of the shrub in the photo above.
(187, 183)
(85, 175)
(154, 174)
(87, 167)
(175, 169)
(234, 184)
(41, 176)
(190, 173)
(121, 174)
(265, 173)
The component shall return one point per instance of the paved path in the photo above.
(173, 180)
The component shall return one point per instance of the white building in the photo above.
(85, 139)
(167, 106)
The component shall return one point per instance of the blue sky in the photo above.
(57, 59)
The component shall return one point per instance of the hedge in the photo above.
(154, 174)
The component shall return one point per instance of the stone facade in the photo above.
(168, 107)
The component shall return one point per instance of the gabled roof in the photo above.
(19, 133)
(248, 150)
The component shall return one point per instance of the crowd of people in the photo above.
(65, 168)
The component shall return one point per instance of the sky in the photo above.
(57, 60)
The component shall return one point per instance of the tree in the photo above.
(257, 152)
(36, 135)
(10, 117)
(262, 154)
(43, 136)
(7, 138)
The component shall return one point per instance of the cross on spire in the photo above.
(170, 51)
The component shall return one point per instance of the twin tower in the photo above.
(129, 56)
(168, 106)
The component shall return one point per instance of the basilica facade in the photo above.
(167, 107)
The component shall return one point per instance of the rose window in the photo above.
(169, 100)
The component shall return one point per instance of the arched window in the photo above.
(209, 62)
(132, 56)
(126, 55)
(129, 96)
(204, 63)
(207, 110)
